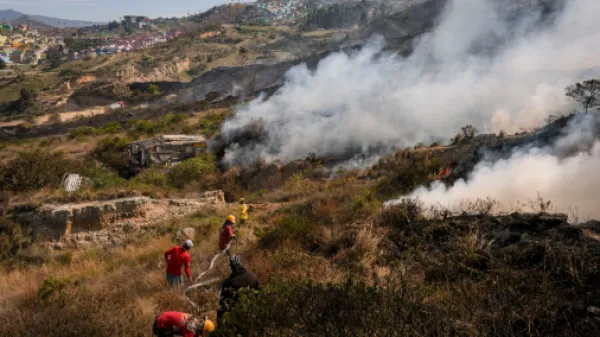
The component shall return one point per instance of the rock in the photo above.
(592, 225)
(185, 233)
(60, 245)
(83, 245)
(215, 197)
(593, 310)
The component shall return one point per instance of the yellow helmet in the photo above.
(231, 218)
(241, 200)
(209, 327)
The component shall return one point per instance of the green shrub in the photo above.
(12, 238)
(52, 286)
(111, 128)
(150, 177)
(154, 90)
(104, 177)
(33, 170)
(82, 131)
(411, 172)
(160, 125)
(211, 124)
(306, 308)
(112, 152)
(291, 227)
(402, 214)
(198, 169)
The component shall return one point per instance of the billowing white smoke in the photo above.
(566, 174)
(353, 103)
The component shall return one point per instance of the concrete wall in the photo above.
(52, 219)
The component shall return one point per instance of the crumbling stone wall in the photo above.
(54, 219)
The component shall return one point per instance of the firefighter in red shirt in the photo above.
(227, 234)
(176, 257)
(174, 323)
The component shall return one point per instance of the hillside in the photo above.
(29, 21)
(428, 171)
(15, 17)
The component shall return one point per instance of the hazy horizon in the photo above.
(107, 10)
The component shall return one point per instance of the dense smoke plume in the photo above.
(479, 66)
(564, 173)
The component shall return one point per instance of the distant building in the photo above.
(5, 59)
(21, 28)
(16, 56)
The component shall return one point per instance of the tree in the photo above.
(587, 93)
(54, 56)
(113, 25)
(153, 90)
(27, 98)
(243, 55)
(469, 131)
(2, 64)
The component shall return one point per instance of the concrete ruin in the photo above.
(58, 220)
(166, 150)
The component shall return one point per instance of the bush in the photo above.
(52, 286)
(211, 124)
(199, 169)
(27, 98)
(409, 173)
(33, 170)
(160, 125)
(111, 128)
(82, 131)
(104, 177)
(154, 90)
(113, 153)
(291, 227)
(400, 215)
(150, 177)
(12, 239)
(305, 308)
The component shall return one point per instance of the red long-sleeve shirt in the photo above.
(175, 322)
(226, 235)
(176, 257)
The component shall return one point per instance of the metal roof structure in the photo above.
(169, 140)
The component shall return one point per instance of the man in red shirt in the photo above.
(176, 257)
(174, 323)
(227, 234)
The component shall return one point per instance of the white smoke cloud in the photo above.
(474, 68)
(564, 173)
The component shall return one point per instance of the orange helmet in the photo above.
(231, 218)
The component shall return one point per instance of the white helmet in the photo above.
(187, 244)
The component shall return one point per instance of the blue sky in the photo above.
(104, 10)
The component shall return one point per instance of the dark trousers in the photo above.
(160, 332)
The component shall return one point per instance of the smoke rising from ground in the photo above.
(476, 67)
(564, 173)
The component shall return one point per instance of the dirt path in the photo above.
(64, 116)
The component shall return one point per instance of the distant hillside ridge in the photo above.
(11, 16)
